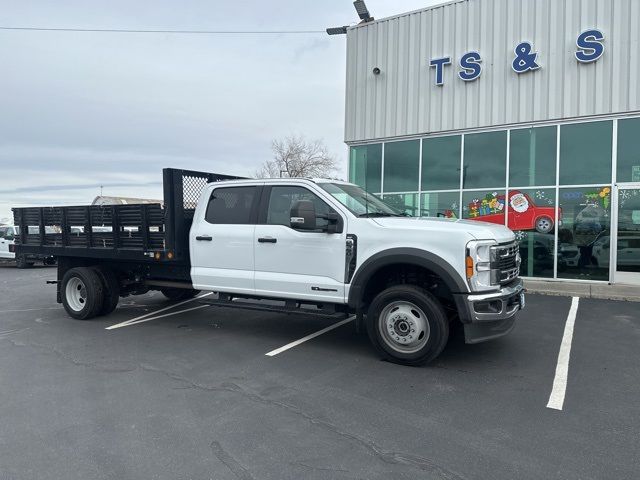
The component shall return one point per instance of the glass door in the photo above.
(626, 254)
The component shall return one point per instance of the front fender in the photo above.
(412, 256)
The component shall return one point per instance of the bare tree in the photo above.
(295, 156)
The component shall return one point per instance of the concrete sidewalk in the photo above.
(630, 293)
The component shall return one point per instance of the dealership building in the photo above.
(521, 112)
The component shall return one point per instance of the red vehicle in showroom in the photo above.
(524, 214)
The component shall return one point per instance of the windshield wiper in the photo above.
(376, 214)
(382, 214)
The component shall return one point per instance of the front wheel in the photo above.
(407, 325)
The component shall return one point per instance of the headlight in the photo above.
(478, 262)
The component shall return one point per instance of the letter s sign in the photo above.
(470, 65)
(590, 47)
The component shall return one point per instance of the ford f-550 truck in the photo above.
(312, 246)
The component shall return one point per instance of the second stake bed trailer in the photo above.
(319, 247)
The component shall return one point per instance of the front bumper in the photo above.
(490, 315)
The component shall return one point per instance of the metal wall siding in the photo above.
(403, 99)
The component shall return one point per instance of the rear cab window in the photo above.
(232, 206)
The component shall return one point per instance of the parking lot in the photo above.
(193, 395)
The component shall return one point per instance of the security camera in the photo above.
(376, 71)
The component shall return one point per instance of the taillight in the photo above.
(12, 248)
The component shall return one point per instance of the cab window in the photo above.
(283, 198)
(231, 205)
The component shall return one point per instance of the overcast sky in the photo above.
(80, 110)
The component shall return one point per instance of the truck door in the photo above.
(299, 264)
(221, 240)
(6, 239)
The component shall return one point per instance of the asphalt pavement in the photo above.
(189, 393)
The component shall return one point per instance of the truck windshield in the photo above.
(359, 202)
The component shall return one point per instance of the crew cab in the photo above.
(312, 246)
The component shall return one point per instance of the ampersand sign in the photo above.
(525, 59)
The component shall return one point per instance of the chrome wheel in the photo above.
(404, 327)
(544, 225)
(76, 294)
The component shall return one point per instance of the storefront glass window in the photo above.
(401, 166)
(485, 160)
(531, 215)
(532, 157)
(407, 203)
(365, 167)
(441, 163)
(446, 205)
(586, 217)
(628, 151)
(484, 206)
(585, 153)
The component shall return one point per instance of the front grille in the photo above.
(506, 261)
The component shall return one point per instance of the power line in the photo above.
(181, 32)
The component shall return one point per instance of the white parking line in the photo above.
(129, 323)
(308, 337)
(123, 324)
(556, 399)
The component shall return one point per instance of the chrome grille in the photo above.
(506, 260)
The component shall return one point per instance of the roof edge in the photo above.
(412, 12)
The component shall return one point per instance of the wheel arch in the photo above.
(402, 256)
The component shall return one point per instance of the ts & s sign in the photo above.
(589, 48)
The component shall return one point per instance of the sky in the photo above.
(80, 110)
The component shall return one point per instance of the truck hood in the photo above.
(478, 230)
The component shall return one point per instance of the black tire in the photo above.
(544, 224)
(88, 283)
(435, 325)
(176, 294)
(111, 288)
(21, 262)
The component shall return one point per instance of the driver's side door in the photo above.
(292, 263)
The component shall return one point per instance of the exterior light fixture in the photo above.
(337, 30)
(362, 11)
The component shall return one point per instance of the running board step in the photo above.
(276, 306)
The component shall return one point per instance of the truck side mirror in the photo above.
(303, 215)
(334, 222)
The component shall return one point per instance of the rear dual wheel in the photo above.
(407, 325)
(82, 293)
(88, 292)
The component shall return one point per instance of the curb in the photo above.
(600, 291)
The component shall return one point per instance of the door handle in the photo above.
(267, 240)
(205, 238)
